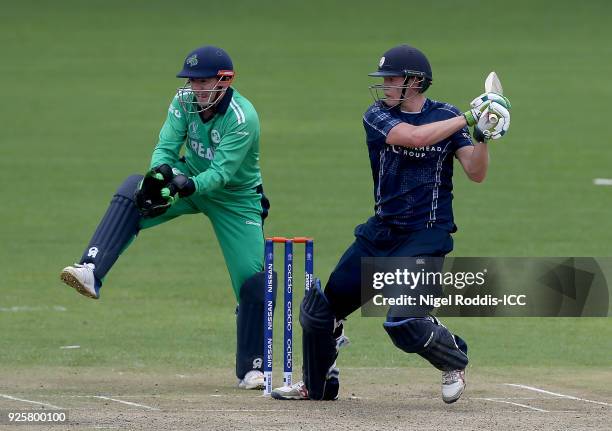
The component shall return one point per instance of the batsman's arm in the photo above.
(407, 135)
(475, 161)
(171, 137)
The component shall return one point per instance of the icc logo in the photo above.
(93, 251)
(381, 62)
(215, 136)
(257, 362)
(193, 127)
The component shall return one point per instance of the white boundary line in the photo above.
(377, 368)
(514, 404)
(523, 398)
(570, 397)
(122, 396)
(602, 181)
(129, 403)
(31, 402)
(27, 308)
(240, 410)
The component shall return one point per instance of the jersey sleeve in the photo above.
(230, 153)
(378, 122)
(461, 138)
(171, 137)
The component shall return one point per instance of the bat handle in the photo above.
(493, 118)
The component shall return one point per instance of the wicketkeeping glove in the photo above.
(180, 185)
(148, 196)
(486, 129)
(481, 103)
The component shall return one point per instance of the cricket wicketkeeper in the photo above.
(411, 141)
(217, 131)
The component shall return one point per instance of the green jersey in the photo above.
(221, 152)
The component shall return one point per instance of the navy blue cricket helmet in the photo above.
(406, 61)
(206, 62)
(203, 63)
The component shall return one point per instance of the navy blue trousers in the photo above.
(377, 239)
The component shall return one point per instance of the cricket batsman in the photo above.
(411, 142)
(205, 162)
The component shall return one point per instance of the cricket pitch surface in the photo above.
(387, 398)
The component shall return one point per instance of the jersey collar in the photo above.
(423, 108)
(221, 107)
(223, 104)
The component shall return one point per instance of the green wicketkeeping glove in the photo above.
(148, 196)
(181, 186)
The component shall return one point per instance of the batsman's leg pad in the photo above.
(249, 327)
(319, 345)
(116, 229)
(430, 339)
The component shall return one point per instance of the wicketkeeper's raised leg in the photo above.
(138, 204)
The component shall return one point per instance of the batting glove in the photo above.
(481, 103)
(493, 123)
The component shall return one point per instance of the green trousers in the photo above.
(236, 217)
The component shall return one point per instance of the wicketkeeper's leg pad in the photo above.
(319, 345)
(116, 229)
(430, 339)
(249, 327)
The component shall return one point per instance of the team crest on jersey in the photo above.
(381, 62)
(193, 128)
(192, 61)
(215, 137)
(175, 112)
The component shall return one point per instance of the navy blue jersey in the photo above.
(413, 186)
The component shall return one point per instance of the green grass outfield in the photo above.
(85, 87)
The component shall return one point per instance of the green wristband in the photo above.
(469, 117)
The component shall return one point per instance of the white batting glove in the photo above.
(493, 97)
(481, 103)
(493, 123)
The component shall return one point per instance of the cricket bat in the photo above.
(493, 85)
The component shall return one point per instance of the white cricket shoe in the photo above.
(82, 279)
(297, 391)
(252, 380)
(453, 385)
